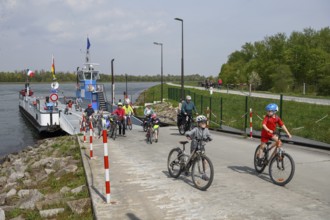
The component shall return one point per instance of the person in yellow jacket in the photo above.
(128, 113)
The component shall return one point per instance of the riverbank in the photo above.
(45, 181)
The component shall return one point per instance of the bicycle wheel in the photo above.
(114, 134)
(259, 163)
(182, 129)
(145, 127)
(281, 169)
(173, 163)
(202, 172)
(129, 124)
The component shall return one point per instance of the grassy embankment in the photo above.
(302, 119)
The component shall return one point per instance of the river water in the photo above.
(16, 133)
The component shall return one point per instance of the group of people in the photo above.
(121, 113)
(186, 108)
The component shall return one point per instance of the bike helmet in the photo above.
(153, 115)
(272, 107)
(201, 118)
(120, 104)
(188, 97)
(89, 105)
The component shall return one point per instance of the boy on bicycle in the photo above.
(269, 127)
(199, 133)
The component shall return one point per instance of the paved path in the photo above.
(264, 95)
(142, 189)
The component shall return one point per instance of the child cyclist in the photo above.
(155, 125)
(201, 132)
(269, 127)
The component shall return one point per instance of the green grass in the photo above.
(302, 119)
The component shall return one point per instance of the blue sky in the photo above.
(32, 30)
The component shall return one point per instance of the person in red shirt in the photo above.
(120, 112)
(269, 124)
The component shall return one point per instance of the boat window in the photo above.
(96, 75)
(87, 75)
(81, 75)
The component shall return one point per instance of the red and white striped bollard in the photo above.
(250, 122)
(106, 165)
(90, 140)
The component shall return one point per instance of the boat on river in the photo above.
(60, 113)
(42, 114)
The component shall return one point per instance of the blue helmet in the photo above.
(272, 107)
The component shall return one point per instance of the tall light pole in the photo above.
(182, 64)
(112, 84)
(126, 95)
(161, 70)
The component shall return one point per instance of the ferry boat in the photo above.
(43, 114)
(52, 114)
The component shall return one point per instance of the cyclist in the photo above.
(155, 125)
(187, 108)
(148, 111)
(89, 112)
(128, 110)
(269, 126)
(120, 112)
(201, 132)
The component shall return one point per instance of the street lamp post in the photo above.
(161, 70)
(182, 63)
(126, 95)
(112, 85)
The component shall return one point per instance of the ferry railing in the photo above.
(67, 123)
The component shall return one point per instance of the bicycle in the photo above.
(281, 164)
(113, 127)
(129, 121)
(186, 125)
(202, 171)
(150, 133)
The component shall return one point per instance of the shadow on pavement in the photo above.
(249, 170)
(186, 179)
(132, 216)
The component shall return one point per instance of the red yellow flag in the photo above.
(53, 68)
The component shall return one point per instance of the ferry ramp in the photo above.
(141, 187)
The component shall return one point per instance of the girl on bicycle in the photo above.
(155, 125)
(269, 124)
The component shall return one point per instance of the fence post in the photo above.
(106, 165)
(208, 116)
(281, 105)
(220, 112)
(246, 111)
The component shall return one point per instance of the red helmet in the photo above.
(153, 116)
(89, 105)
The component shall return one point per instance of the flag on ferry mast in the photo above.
(30, 73)
(53, 68)
(87, 51)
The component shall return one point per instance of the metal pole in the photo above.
(182, 59)
(112, 84)
(161, 70)
(126, 95)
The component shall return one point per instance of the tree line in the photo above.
(283, 64)
(46, 76)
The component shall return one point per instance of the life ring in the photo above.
(54, 85)
(53, 97)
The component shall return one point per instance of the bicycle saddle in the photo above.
(184, 142)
